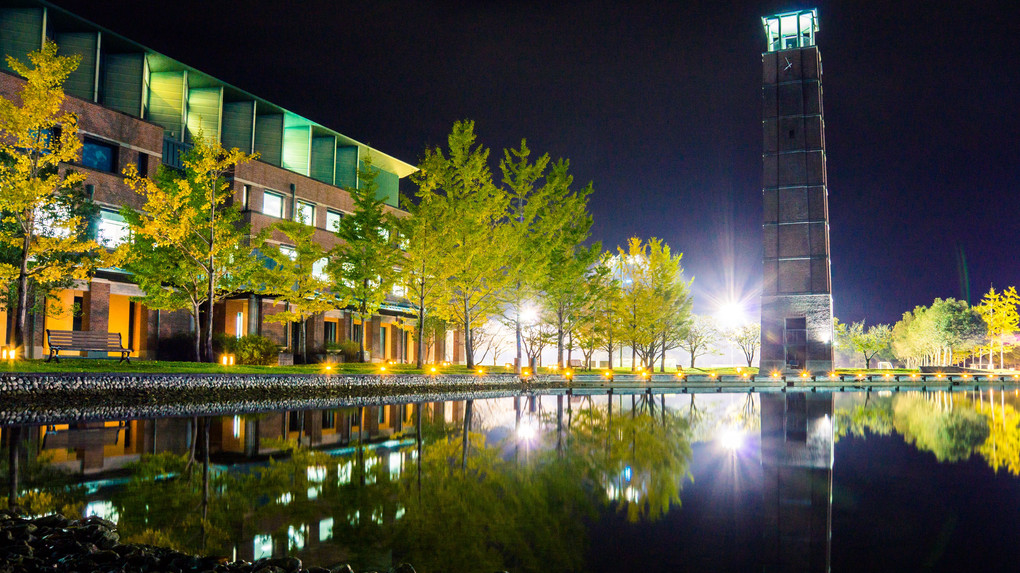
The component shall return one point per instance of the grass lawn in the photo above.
(72, 365)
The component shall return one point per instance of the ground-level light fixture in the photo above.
(525, 372)
(775, 374)
(9, 353)
(480, 371)
(804, 374)
(227, 359)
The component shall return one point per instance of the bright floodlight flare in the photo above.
(731, 315)
(731, 439)
(526, 431)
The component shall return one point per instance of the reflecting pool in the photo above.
(798, 481)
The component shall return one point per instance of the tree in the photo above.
(297, 277)
(365, 266)
(748, 339)
(472, 260)
(999, 311)
(423, 238)
(656, 298)
(188, 246)
(590, 328)
(699, 338)
(933, 335)
(867, 341)
(42, 215)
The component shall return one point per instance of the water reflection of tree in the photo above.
(641, 457)
(36, 486)
(874, 417)
(951, 425)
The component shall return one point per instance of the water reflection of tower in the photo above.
(796, 459)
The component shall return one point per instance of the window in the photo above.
(328, 418)
(99, 156)
(294, 421)
(356, 333)
(272, 204)
(333, 220)
(289, 252)
(143, 163)
(329, 331)
(113, 229)
(382, 414)
(319, 269)
(245, 193)
(304, 212)
(239, 325)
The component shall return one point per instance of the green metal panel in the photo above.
(297, 144)
(238, 125)
(347, 167)
(122, 82)
(21, 32)
(269, 138)
(82, 81)
(167, 101)
(388, 185)
(323, 158)
(205, 108)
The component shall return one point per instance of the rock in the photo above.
(404, 568)
(289, 564)
(342, 569)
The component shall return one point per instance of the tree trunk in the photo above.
(303, 342)
(468, 347)
(466, 442)
(197, 313)
(559, 339)
(21, 316)
(421, 335)
(517, 330)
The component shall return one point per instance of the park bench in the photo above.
(85, 340)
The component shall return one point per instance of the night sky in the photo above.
(659, 104)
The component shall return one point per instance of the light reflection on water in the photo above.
(529, 483)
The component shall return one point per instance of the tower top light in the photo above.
(791, 30)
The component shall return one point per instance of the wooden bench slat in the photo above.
(85, 340)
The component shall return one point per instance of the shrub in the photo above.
(350, 350)
(256, 350)
(224, 343)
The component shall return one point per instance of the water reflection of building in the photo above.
(796, 459)
(380, 439)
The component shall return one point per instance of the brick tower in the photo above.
(796, 305)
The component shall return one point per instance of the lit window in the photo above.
(296, 538)
(113, 229)
(304, 213)
(399, 290)
(333, 220)
(343, 472)
(103, 509)
(289, 252)
(385, 234)
(99, 156)
(263, 546)
(319, 269)
(326, 529)
(316, 473)
(272, 204)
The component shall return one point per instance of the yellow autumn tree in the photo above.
(999, 311)
(189, 248)
(43, 231)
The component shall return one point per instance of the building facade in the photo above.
(796, 306)
(136, 106)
